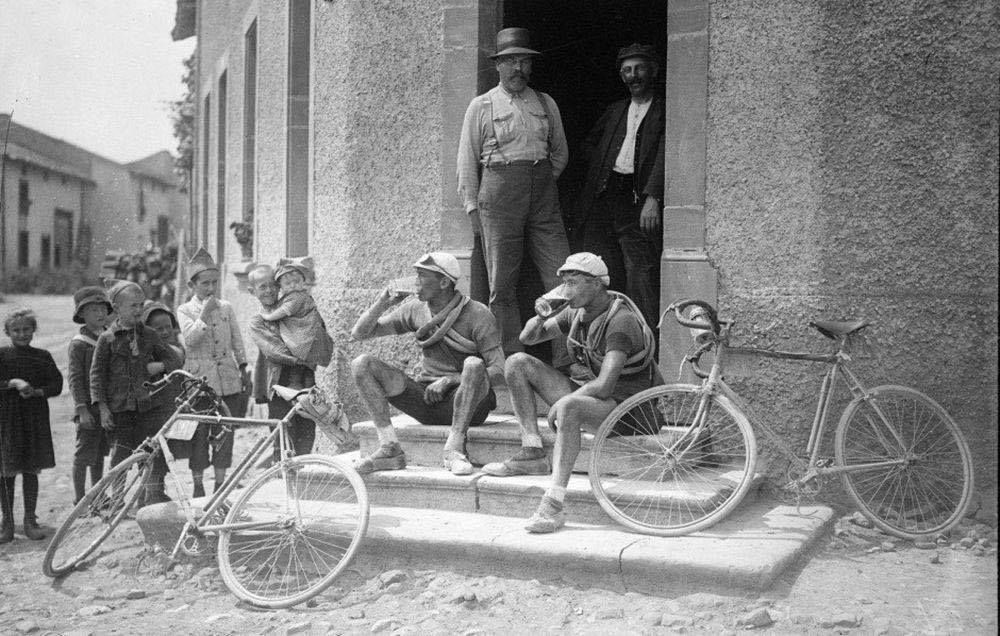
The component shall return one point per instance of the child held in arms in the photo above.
(301, 327)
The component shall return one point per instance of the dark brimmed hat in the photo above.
(637, 50)
(85, 296)
(513, 41)
(152, 306)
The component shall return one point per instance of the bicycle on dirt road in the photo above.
(678, 458)
(281, 540)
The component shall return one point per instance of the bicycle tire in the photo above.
(316, 521)
(96, 516)
(650, 489)
(923, 497)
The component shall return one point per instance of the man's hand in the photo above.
(84, 418)
(210, 305)
(477, 226)
(388, 298)
(649, 218)
(107, 422)
(26, 391)
(551, 417)
(245, 378)
(437, 389)
(155, 368)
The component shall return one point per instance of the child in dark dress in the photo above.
(91, 309)
(28, 377)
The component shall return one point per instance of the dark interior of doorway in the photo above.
(579, 41)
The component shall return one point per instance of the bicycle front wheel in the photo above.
(293, 530)
(672, 460)
(96, 516)
(912, 469)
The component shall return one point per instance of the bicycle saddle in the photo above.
(834, 329)
(288, 394)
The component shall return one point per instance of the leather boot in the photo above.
(7, 530)
(31, 529)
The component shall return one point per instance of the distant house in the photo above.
(63, 204)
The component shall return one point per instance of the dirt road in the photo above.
(857, 582)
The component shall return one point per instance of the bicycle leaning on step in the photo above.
(688, 454)
(281, 540)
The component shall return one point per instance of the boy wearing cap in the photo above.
(127, 355)
(213, 349)
(460, 364)
(622, 197)
(91, 310)
(614, 358)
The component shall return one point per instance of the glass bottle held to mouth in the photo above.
(552, 302)
(402, 287)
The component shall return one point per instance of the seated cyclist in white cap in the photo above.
(461, 362)
(614, 352)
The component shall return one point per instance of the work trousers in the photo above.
(632, 255)
(518, 205)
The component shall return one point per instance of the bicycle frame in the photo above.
(838, 371)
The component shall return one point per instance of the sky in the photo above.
(95, 73)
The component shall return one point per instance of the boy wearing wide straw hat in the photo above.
(214, 349)
(91, 310)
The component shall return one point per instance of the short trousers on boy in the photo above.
(221, 455)
(411, 401)
(129, 431)
(91, 443)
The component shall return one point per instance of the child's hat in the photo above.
(301, 264)
(152, 306)
(200, 262)
(85, 296)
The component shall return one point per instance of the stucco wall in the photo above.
(852, 172)
(377, 130)
(46, 192)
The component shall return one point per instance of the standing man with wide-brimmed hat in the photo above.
(512, 150)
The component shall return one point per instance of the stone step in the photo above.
(745, 552)
(436, 488)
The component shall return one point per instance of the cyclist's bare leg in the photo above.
(473, 387)
(527, 375)
(378, 381)
(574, 414)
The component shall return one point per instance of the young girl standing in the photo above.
(28, 377)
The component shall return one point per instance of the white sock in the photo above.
(557, 493)
(386, 435)
(531, 441)
(455, 442)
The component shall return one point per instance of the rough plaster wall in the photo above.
(852, 172)
(377, 130)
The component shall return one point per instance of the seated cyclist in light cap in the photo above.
(460, 364)
(613, 350)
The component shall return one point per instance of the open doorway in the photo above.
(579, 42)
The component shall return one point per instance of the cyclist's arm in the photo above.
(538, 330)
(603, 385)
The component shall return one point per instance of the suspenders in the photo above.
(542, 97)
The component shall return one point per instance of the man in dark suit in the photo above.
(621, 202)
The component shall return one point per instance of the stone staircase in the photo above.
(426, 518)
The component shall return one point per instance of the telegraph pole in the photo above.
(3, 205)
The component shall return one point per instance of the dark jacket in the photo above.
(601, 149)
(117, 376)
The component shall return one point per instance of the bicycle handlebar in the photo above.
(159, 385)
(678, 307)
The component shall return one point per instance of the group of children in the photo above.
(124, 342)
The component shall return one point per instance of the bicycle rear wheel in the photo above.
(928, 487)
(293, 530)
(670, 460)
(96, 516)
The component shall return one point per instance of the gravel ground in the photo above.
(857, 582)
